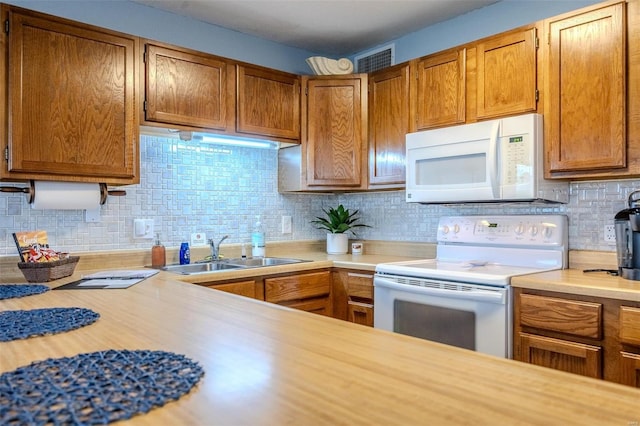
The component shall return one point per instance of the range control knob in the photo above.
(547, 232)
(456, 228)
(520, 229)
(445, 229)
(533, 230)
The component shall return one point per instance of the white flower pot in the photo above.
(337, 243)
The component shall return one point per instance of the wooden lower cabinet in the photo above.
(630, 369)
(629, 335)
(353, 299)
(360, 313)
(249, 288)
(586, 335)
(309, 292)
(563, 355)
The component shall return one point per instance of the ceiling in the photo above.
(331, 27)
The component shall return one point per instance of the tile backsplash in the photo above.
(188, 187)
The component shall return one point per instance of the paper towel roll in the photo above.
(66, 196)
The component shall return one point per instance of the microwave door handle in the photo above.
(494, 153)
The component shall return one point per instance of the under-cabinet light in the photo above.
(245, 142)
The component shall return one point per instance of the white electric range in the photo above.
(463, 296)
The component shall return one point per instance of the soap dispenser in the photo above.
(158, 254)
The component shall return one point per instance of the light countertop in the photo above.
(266, 364)
(575, 281)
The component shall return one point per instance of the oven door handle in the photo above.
(477, 294)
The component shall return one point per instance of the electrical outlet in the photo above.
(286, 224)
(610, 233)
(198, 239)
(143, 228)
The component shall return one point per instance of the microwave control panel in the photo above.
(518, 162)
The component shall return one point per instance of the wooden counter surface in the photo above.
(269, 365)
(575, 281)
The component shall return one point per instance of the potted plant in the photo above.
(337, 223)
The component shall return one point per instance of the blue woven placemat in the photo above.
(9, 291)
(94, 388)
(38, 322)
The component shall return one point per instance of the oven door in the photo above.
(469, 316)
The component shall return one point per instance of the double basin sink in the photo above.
(229, 264)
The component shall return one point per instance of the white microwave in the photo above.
(490, 161)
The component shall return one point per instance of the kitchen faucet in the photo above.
(215, 248)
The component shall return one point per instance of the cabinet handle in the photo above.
(353, 274)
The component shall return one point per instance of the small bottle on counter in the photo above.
(257, 239)
(185, 255)
(158, 254)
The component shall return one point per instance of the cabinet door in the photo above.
(189, 88)
(630, 369)
(334, 128)
(440, 89)
(319, 306)
(361, 313)
(389, 122)
(585, 116)
(72, 101)
(268, 103)
(506, 74)
(243, 288)
(561, 355)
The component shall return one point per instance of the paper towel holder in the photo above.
(31, 192)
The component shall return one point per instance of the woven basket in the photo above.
(36, 272)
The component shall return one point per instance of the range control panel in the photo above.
(508, 230)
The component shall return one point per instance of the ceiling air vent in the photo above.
(375, 60)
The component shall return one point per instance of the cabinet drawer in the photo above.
(360, 285)
(630, 325)
(296, 287)
(563, 355)
(321, 306)
(242, 288)
(573, 317)
(361, 313)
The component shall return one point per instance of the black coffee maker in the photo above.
(627, 227)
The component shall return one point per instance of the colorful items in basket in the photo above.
(40, 263)
(33, 246)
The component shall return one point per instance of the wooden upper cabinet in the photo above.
(334, 131)
(585, 118)
(440, 89)
(185, 87)
(72, 109)
(506, 73)
(268, 103)
(389, 122)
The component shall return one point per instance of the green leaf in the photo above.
(338, 220)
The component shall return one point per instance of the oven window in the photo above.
(454, 170)
(444, 325)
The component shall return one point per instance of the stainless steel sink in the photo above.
(229, 264)
(200, 268)
(254, 262)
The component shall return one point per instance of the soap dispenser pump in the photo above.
(158, 254)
